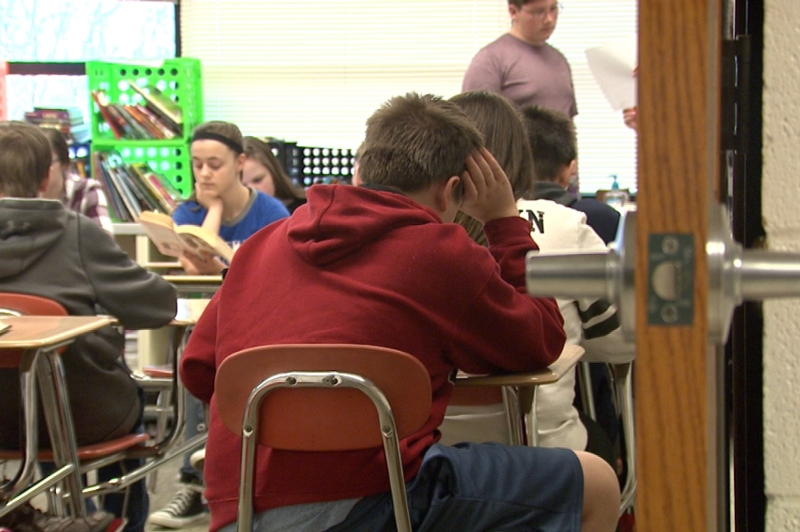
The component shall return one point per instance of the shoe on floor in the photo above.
(198, 459)
(94, 522)
(185, 509)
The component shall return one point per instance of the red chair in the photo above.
(88, 457)
(321, 397)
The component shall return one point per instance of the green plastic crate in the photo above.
(170, 158)
(178, 78)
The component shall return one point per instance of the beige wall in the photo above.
(781, 207)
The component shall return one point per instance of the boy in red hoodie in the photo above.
(386, 256)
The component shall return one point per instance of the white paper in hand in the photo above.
(613, 66)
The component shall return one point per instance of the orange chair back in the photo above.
(313, 419)
(14, 304)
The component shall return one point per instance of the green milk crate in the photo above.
(180, 80)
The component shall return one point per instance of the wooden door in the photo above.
(676, 375)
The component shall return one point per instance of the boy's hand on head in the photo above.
(487, 190)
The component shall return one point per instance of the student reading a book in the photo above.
(263, 172)
(386, 256)
(51, 251)
(221, 204)
(79, 194)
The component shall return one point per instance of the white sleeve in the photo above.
(602, 336)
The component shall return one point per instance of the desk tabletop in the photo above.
(189, 311)
(182, 278)
(28, 332)
(569, 357)
(194, 284)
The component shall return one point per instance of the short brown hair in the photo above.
(551, 135)
(25, 158)
(260, 151)
(415, 141)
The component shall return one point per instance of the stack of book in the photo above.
(133, 188)
(69, 121)
(152, 116)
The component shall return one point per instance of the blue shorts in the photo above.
(483, 487)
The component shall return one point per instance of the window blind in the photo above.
(313, 72)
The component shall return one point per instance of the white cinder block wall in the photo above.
(781, 208)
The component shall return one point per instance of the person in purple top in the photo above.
(521, 66)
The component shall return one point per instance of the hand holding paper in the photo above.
(613, 66)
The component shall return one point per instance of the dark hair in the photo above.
(285, 189)
(519, 3)
(551, 135)
(25, 158)
(58, 144)
(414, 141)
(505, 136)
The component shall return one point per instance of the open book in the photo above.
(173, 240)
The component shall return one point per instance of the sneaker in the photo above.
(198, 459)
(185, 509)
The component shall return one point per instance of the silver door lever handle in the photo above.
(734, 275)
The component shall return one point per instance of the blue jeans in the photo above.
(469, 487)
(475, 487)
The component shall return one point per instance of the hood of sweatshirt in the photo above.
(28, 228)
(339, 219)
(554, 192)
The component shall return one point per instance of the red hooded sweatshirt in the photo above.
(363, 266)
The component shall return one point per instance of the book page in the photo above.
(613, 66)
(166, 239)
(198, 239)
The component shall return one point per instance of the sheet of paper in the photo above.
(612, 66)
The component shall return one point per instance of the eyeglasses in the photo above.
(542, 12)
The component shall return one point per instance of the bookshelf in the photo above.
(178, 79)
(3, 93)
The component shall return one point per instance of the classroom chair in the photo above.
(12, 304)
(290, 397)
(517, 392)
(621, 378)
(89, 457)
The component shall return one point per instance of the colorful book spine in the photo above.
(102, 104)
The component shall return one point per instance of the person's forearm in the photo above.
(213, 219)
